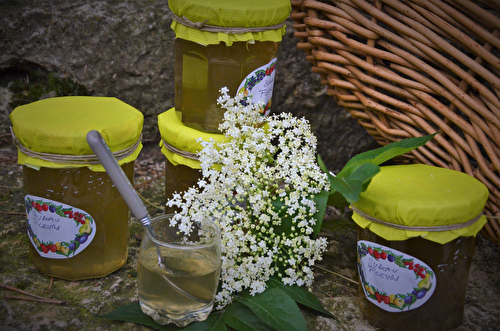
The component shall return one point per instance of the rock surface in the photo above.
(124, 49)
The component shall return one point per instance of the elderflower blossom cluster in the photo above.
(259, 187)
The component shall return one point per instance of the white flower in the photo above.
(259, 186)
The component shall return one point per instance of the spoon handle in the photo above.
(127, 191)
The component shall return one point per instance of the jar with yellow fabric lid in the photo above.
(180, 145)
(224, 43)
(416, 238)
(78, 223)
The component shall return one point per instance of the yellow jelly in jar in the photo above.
(225, 43)
(77, 220)
(200, 72)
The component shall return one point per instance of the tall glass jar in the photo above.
(416, 239)
(201, 71)
(449, 264)
(226, 43)
(180, 145)
(77, 220)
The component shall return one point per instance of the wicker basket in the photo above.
(410, 68)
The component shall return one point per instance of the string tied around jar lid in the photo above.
(72, 159)
(188, 155)
(202, 26)
(438, 228)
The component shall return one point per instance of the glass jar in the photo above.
(224, 43)
(78, 223)
(416, 238)
(201, 71)
(444, 309)
(180, 145)
(94, 194)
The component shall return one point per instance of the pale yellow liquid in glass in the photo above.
(196, 273)
(94, 193)
(201, 71)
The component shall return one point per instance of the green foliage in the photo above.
(355, 177)
(274, 309)
(133, 313)
(385, 153)
(356, 182)
(240, 317)
(39, 83)
(321, 201)
(300, 295)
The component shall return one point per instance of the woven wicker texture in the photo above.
(409, 68)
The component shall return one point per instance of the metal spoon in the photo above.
(129, 194)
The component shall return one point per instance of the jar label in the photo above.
(257, 87)
(393, 280)
(57, 230)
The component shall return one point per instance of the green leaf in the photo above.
(300, 294)
(338, 200)
(214, 322)
(285, 228)
(286, 220)
(321, 201)
(385, 153)
(240, 317)
(352, 185)
(276, 308)
(357, 173)
(133, 313)
(322, 164)
(335, 198)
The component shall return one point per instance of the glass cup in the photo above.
(183, 289)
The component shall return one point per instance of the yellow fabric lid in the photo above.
(422, 196)
(183, 138)
(230, 13)
(59, 127)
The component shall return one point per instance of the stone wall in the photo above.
(125, 49)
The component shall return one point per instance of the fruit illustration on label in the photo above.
(243, 91)
(398, 302)
(257, 87)
(426, 282)
(370, 289)
(85, 228)
(57, 230)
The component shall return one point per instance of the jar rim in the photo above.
(214, 238)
